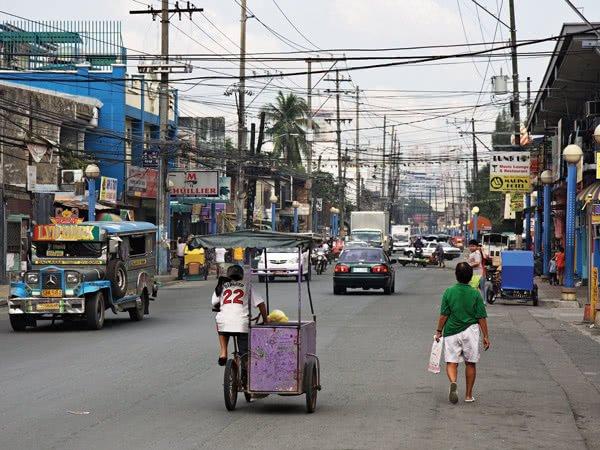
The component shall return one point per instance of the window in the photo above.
(137, 245)
(356, 255)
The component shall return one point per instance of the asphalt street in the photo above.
(156, 384)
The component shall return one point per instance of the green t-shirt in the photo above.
(463, 306)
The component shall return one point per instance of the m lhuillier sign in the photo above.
(510, 172)
(194, 183)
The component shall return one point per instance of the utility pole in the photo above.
(163, 208)
(310, 145)
(452, 198)
(383, 163)
(515, 76)
(2, 219)
(528, 95)
(445, 204)
(239, 200)
(475, 165)
(357, 149)
(338, 132)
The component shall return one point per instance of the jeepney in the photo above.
(78, 271)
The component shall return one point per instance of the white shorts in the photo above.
(463, 346)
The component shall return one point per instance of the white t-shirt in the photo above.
(220, 255)
(181, 249)
(325, 247)
(233, 316)
(475, 262)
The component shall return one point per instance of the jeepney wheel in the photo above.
(18, 322)
(116, 273)
(94, 310)
(137, 312)
(230, 384)
(311, 385)
(534, 295)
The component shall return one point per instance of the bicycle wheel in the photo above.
(230, 384)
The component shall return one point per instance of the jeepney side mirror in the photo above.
(113, 245)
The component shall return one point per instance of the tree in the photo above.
(288, 118)
(491, 204)
(503, 125)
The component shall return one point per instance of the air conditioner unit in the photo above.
(592, 108)
(71, 176)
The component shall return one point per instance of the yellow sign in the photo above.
(594, 292)
(516, 203)
(510, 183)
(66, 233)
(598, 165)
(47, 306)
(51, 292)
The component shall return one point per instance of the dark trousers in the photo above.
(180, 269)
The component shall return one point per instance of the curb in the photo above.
(557, 303)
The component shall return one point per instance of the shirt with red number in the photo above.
(233, 315)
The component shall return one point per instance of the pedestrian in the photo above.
(181, 245)
(475, 260)
(462, 321)
(439, 254)
(220, 260)
(552, 272)
(559, 257)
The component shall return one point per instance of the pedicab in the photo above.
(516, 278)
(281, 357)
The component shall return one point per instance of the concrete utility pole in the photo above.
(515, 70)
(383, 162)
(475, 164)
(2, 219)
(357, 149)
(162, 202)
(310, 145)
(239, 198)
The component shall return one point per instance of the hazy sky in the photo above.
(347, 24)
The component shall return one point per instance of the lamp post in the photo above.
(572, 155)
(466, 224)
(546, 177)
(295, 205)
(92, 172)
(537, 233)
(475, 212)
(527, 221)
(273, 201)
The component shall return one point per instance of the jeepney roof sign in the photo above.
(57, 232)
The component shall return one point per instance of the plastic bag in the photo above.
(436, 356)
(475, 280)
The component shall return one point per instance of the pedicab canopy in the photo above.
(255, 239)
(517, 270)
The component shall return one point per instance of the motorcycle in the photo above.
(418, 252)
(320, 262)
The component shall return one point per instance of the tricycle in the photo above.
(515, 277)
(281, 357)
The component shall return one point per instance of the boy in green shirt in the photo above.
(462, 316)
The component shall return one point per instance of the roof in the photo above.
(83, 205)
(91, 101)
(255, 239)
(592, 191)
(123, 227)
(570, 79)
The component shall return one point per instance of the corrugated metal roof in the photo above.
(124, 227)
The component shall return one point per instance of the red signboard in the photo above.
(141, 182)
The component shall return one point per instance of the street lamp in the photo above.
(92, 173)
(597, 134)
(546, 177)
(273, 201)
(475, 212)
(295, 205)
(572, 155)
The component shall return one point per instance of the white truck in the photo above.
(371, 227)
(400, 237)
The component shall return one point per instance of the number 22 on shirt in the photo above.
(237, 294)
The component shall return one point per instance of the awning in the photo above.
(592, 193)
(83, 205)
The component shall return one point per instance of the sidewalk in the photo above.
(4, 291)
(550, 296)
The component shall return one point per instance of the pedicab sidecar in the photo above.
(517, 277)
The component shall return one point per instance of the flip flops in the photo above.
(469, 400)
(452, 394)
(222, 361)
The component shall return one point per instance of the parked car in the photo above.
(281, 262)
(366, 268)
(450, 252)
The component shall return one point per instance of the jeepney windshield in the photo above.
(68, 249)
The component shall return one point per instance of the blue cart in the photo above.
(517, 277)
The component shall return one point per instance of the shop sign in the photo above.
(594, 290)
(66, 216)
(66, 233)
(194, 183)
(108, 190)
(597, 165)
(141, 182)
(319, 204)
(510, 172)
(595, 214)
(150, 159)
(516, 203)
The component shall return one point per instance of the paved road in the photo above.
(156, 385)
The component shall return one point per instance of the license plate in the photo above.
(360, 269)
(47, 306)
(53, 293)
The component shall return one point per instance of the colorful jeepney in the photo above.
(79, 271)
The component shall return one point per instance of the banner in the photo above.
(141, 182)
(194, 183)
(510, 172)
(108, 190)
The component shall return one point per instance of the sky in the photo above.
(410, 95)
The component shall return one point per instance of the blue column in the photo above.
(273, 218)
(527, 221)
(213, 218)
(538, 222)
(569, 281)
(547, 230)
(91, 200)
(475, 226)
(295, 220)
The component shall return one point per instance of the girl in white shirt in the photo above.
(230, 299)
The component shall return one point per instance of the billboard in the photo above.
(194, 183)
(108, 190)
(510, 172)
(141, 182)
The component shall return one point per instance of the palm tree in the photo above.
(288, 117)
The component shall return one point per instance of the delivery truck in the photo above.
(371, 227)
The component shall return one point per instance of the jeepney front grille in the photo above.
(51, 280)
